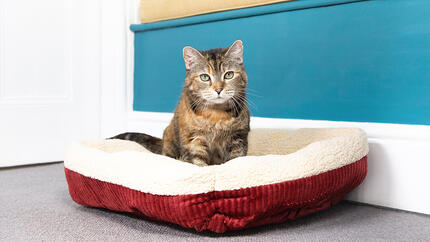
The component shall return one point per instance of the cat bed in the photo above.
(287, 174)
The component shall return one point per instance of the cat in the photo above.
(210, 124)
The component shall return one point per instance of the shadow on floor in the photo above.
(337, 212)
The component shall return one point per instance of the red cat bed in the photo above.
(286, 175)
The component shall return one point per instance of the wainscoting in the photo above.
(49, 78)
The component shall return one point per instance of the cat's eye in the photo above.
(204, 77)
(228, 75)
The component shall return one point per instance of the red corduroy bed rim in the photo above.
(220, 211)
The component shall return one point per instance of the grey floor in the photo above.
(35, 206)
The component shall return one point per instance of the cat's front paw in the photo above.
(199, 162)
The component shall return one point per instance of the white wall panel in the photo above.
(49, 77)
(36, 49)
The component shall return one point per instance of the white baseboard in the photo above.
(399, 157)
(398, 175)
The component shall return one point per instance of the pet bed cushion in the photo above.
(286, 175)
(158, 10)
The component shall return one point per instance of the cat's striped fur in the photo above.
(211, 121)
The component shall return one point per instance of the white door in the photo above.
(49, 78)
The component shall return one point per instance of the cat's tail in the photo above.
(151, 143)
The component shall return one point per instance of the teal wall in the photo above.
(367, 61)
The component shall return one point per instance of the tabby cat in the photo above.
(211, 121)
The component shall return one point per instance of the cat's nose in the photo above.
(218, 90)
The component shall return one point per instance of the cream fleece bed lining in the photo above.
(274, 156)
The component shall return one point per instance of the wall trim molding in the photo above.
(239, 13)
(117, 63)
(405, 132)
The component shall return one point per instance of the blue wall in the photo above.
(365, 61)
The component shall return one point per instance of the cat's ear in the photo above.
(236, 51)
(191, 56)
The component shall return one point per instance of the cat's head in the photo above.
(216, 76)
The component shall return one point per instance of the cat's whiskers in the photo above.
(247, 101)
(252, 91)
(195, 104)
(233, 105)
(247, 92)
(236, 110)
(238, 104)
(242, 103)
